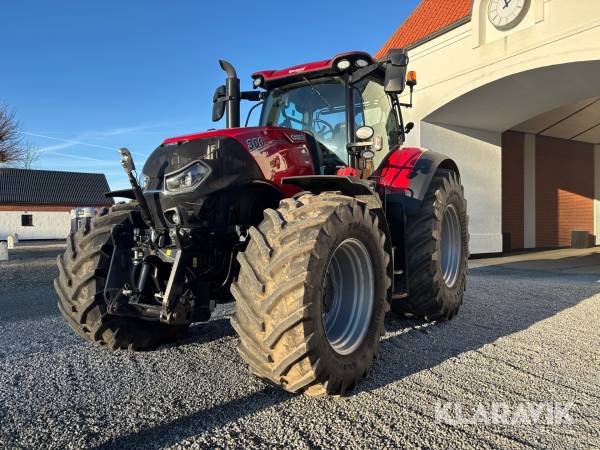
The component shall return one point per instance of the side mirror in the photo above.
(219, 101)
(395, 71)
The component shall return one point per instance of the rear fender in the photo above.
(405, 175)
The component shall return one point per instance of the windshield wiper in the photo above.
(318, 93)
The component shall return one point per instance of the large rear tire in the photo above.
(311, 294)
(438, 250)
(80, 286)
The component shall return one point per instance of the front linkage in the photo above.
(153, 274)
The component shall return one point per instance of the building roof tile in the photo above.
(25, 186)
(428, 18)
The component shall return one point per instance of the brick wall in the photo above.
(564, 183)
(512, 187)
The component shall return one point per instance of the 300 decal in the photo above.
(255, 143)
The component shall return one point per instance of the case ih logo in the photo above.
(300, 69)
(299, 137)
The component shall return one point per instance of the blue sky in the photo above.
(85, 78)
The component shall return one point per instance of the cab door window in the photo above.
(373, 108)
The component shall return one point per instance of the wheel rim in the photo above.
(451, 246)
(348, 296)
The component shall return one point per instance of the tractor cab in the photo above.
(347, 106)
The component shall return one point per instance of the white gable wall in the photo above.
(46, 224)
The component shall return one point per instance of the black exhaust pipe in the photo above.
(232, 87)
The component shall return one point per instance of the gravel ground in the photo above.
(522, 336)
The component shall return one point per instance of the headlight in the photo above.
(186, 179)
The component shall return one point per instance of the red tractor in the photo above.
(317, 222)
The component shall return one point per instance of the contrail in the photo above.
(67, 141)
(85, 158)
(70, 143)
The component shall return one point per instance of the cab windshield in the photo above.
(315, 106)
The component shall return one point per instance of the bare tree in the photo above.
(13, 151)
(30, 156)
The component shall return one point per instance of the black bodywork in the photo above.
(230, 166)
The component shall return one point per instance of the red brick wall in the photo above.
(564, 183)
(512, 187)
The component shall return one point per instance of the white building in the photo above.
(37, 204)
(511, 90)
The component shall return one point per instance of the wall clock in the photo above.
(505, 14)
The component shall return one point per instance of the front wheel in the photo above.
(437, 242)
(311, 294)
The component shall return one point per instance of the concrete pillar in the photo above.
(597, 193)
(529, 191)
(479, 159)
(3, 251)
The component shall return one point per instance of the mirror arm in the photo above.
(410, 103)
(253, 96)
(398, 111)
(365, 71)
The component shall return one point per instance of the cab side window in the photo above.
(373, 108)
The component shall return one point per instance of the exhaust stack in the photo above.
(232, 89)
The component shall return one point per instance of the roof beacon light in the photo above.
(411, 78)
(343, 64)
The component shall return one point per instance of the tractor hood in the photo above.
(250, 137)
(203, 165)
(266, 149)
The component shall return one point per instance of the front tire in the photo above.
(437, 242)
(83, 269)
(311, 294)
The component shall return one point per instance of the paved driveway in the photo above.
(517, 368)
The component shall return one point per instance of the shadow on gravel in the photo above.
(487, 314)
(204, 332)
(169, 434)
(410, 346)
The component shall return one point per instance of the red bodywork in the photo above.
(278, 152)
(283, 152)
(396, 171)
(312, 68)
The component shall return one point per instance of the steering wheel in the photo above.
(323, 129)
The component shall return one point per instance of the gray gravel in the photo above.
(522, 336)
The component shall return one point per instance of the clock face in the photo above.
(504, 14)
